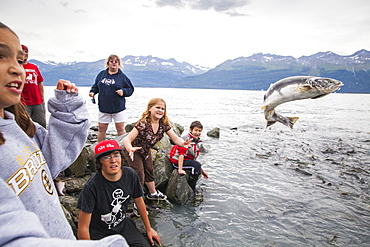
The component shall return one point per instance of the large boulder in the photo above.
(178, 190)
(162, 170)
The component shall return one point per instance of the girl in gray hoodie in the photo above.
(31, 156)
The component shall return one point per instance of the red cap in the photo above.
(106, 146)
(25, 48)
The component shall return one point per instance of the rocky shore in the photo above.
(167, 180)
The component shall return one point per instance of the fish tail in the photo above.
(287, 121)
(269, 123)
(293, 120)
(290, 121)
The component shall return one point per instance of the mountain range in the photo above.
(255, 72)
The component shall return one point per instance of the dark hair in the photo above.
(97, 159)
(2, 25)
(23, 120)
(196, 124)
(20, 114)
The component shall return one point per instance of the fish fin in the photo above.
(292, 121)
(305, 88)
(269, 123)
(322, 95)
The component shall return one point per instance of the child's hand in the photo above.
(132, 151)
(67, 86)
(181, 172)
(187, 143)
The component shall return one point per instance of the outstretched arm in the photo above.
(67, 130)
(178, 140)
(127, 143)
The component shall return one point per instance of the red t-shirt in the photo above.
(31, 92)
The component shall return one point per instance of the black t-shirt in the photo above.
(108, 201)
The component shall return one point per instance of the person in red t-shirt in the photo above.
(33, 91)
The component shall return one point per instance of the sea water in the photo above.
(268, 186)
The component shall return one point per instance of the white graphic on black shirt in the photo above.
(116, 216)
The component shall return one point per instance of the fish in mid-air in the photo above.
(295, 88)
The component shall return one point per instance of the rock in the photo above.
(75, 184)
(214, 133)
(177, 128)
(178, 190)
(79, 167)
(70, 204)
(164, 144)
(70, 220)
(162, 171)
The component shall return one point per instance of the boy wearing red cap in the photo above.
(33, 91)
(104, 199)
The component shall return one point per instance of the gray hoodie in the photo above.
(30, 212)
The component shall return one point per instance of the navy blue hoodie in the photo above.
(106, 86)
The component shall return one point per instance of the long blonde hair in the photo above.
(146, 114)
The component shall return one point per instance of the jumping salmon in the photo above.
(295, 88)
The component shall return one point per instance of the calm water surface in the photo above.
(269, 187)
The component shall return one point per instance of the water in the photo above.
(270, 187)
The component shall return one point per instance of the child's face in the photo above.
(196, 131)
(157, 111)
(12, 75)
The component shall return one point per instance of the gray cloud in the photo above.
(64, 4)
(224, 6)
(77, 11)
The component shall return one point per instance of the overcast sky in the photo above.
(203, 32)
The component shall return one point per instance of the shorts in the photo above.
(106, 118)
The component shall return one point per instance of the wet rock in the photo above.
(178, 190)
(214, 133)
(162, 171)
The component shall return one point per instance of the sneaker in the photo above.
(135, 211)
(158, 197)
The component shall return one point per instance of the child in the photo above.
(31, 157)
(113, 87)
(150, 129)
(105, 197)
(185, 158)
